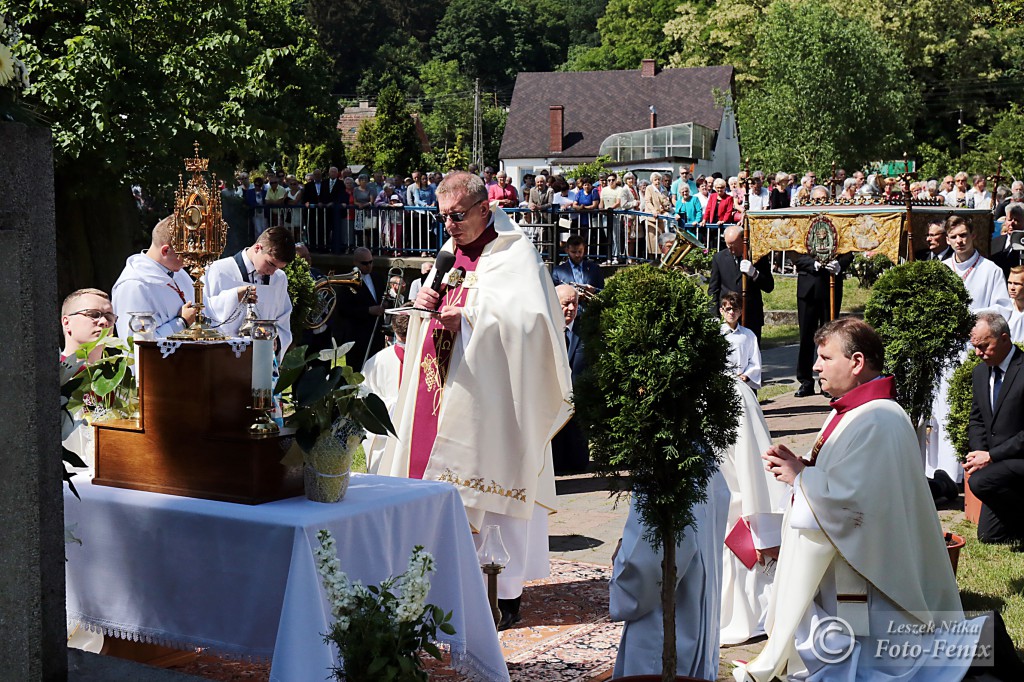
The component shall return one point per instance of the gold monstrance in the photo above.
(199, 235)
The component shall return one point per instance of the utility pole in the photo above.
(478, 128)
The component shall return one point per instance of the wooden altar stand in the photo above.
(192, 435)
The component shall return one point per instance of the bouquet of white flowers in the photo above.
(379, 633)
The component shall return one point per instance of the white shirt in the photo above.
(146, 286)
(759, 200)
(744, 354)
(1016, 321)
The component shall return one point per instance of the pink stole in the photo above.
(438, 345)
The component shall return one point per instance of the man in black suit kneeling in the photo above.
(996, 431)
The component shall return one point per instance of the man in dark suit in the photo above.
(727, 270)
(316, 195)
(938, 247)
(995, 431)
(1000, 252)
(813, 309)
(569, 448)
(577, 269)
(337, 198)
(360, 312)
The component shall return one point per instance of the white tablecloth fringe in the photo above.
(147, 636)
(468, 665)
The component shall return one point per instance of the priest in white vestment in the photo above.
(155, 281)
(382, 374)
(255, 274)
(985, 283)
(861, 541)
(486, 382)
(634, 593)
(757, 500)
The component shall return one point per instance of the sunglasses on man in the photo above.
(457, 216)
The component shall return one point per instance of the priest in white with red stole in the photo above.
(486, 382)
(861, 540)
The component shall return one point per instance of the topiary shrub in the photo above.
(658, 402)
(960, 396)
(921, 311)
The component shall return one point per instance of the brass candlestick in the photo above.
(493, 558)
(199, 235)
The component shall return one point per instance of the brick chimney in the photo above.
(654, 116)
(556, 115)
(647, 68)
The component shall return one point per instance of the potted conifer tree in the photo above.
(659, 405)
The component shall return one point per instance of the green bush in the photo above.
(656, 397)
(921, 311)
(301, 292)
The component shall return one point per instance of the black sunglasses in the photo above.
(457, 216)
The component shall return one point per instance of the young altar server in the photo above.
(155, 281)
(254, 273)
(984, 282)
(861, 540)
(744, 353)
(383, 376)
(635, 592)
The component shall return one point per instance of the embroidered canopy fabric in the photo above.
(242, 579)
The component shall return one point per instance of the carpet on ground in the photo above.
(565, 634)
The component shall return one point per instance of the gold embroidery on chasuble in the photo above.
(493, 488)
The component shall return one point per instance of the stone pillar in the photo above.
(32, 617)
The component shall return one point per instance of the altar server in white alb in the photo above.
(254, 273)
(754, 527)
(634, 593)
(985, 283)
(486, 382)
(383, 376)
(861, 540)
(154, 281)
(744, 353)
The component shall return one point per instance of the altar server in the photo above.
(861, 540)
(635, 592)
(154, 281)
(985, 283)
(744, 353)
(383, 376)
(755, 513)
(486, 383)
(254, 273)
(1015, 287)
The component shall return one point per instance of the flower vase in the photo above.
(328, 465)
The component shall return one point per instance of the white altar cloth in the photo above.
(242, 580)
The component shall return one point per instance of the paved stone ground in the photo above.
(589, 522)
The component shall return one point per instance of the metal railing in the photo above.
(615, 236)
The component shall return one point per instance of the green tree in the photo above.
(630, 31)
(711, 33)
(128, 87)
(819, 94)
(388, 143)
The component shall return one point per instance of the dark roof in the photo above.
(601, 103)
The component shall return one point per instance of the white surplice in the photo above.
(382, 373)
(222, 280)
(987, 287)
(635, 592)
(864, 506)
(146, 286)
(744, 353)
(758, 498)
(1016, 325)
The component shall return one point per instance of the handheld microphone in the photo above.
(444, 262)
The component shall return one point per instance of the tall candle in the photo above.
(262, 364)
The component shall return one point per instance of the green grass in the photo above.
(774, 390)
(991, 577)
(773, 336)
(784, 295)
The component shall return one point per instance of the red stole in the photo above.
(438, 346)
(882, 388)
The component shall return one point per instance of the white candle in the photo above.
(262, 364)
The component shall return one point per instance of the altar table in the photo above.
(241, 580)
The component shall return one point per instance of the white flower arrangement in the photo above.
(379, 633)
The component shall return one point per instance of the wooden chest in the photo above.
(192, 436)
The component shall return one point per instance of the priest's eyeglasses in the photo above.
(95, 315)
(457, 216)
